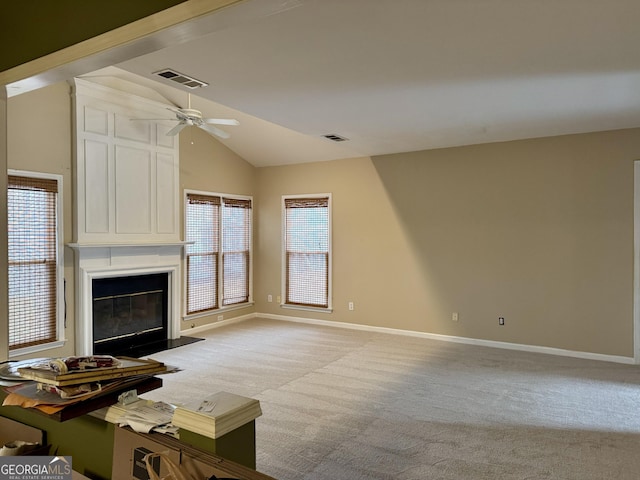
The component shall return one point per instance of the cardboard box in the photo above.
(129, 448)
(10, 430)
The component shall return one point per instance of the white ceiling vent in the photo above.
(180, 78)
(335, 138)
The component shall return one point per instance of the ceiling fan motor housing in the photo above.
(191, 113)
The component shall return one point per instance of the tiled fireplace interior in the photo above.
(129, 313)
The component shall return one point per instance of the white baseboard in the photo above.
(211, 326)
(449, 338)
(411, 333)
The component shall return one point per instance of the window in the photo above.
(236, 243)
(35, 260)
(307, 247)
(219, 259)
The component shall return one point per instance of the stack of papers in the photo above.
(127, 367)
(142, 416)
(217, 414)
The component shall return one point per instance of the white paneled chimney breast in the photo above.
(126, 198)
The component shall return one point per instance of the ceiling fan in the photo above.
(191, 117)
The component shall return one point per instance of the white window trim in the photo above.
(60, 290)
(283, 268)
(227, 308)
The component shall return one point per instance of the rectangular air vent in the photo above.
(180, 78)
(335, 138)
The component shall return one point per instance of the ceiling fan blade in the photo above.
(175, 130)
(155, 119)
(221, 121)
(214, 131)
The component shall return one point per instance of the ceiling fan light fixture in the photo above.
(181, 78)
(190, 117)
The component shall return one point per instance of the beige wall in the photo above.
(39, 140)
(208, 165)
(538, 231)
(359, 208)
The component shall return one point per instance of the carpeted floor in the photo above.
(343, 405)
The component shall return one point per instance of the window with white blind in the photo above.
(219, 259)
(307, 251)
(34, 230)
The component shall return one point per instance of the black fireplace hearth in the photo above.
(155, 347)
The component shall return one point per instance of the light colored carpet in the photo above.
(342, 405)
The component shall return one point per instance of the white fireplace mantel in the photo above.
(108, 261)
(88, 246)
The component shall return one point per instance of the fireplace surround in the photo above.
(94, 262)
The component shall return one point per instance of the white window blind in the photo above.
(32, 206)
(307, 245)
(236, 242)
(218, 260)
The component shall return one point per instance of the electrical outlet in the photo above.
(500, 320)
(278, 299)
(454, 316)
(351, 306)
(269, 298)
(220, 318)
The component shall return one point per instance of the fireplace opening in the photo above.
(129, 313)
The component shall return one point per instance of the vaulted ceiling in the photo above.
(405, 75)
